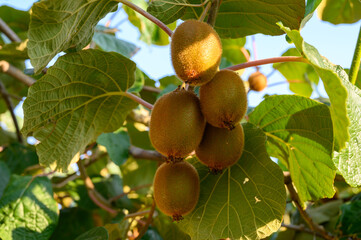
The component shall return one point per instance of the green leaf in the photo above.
(299, 75)
(117, 145)
(18, 157)
(325, 212)
(348, 160)
(240, 18)
(79, 98)
(98, 233)
(6, 137)
(168, 229)
(350, 220)
(150, 33)
(14, 51)
(28, 209)
(299, 133)
(17, 20)
(73, 222)
(167, 11)
(310, 8)
(140, 78)
(332, 83)
(152, 234)
(246, 201)
(340, 11)
(4, 177)
(57, 25)
(110, 43)
(173, 79)
(232, 50)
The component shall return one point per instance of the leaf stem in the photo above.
(295, 198)
(10, 106)
(267, 61)
(254, 46)
(137, 152)
(139, 100)
(213, 12)
(9, 32)
(131, 190)
(355, 66)
(137, 214)
(204, 13)
(148, 15)
(7, 68)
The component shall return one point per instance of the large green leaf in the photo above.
(150, 33)
(167, 11)
(28, 209)
(169, 229)
(110, 43)
(4, 177)
(333, 86)
(240, 18)
(299, 75)
(98, 233)
(246, 201)
(348, 160)
(300, 134)
(80, 97)
(340, 11)
(117, 145)
(56, 25)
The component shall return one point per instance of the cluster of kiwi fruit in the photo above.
(181, 122)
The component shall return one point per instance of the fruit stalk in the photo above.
(267, 61)
(213, 12)
(139, 100)
(148, 15)
(355, 66)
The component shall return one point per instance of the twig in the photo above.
(267, 61)
(137, 214)
(10, 106)
(204, 13)
(355, 66)
(213, 12)
(93, 194)
(139, 100)
(148, 15)
(245, 53)
(284, 82)
(131, 190)
(7, 68)
(9, 32)
(255, 56)
(271, 73)
(147, 223)
(301, 228)
(151, 89)
(137, 152)
(295, 198)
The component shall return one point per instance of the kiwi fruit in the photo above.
(176, 124)
(196, 51)
(224, 99)
(176, 188)
(220, 148)
(257, 81)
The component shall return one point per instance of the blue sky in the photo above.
(335, 42)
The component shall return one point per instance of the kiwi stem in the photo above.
(267, 61)
(138, 100)
(204, 13)
(147, 223)
(254, 46)
(213, 12)
(148, 15)
(354, 69)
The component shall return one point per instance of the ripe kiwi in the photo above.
(196, 51)
(257, 81)
(176, 124)
(176, 188)
(224, 99)
(220, 148)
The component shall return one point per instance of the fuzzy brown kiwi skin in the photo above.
(176, 188)
(220, 148)
(177, 124)
(257, 81)
(196, 51)
(224, 99)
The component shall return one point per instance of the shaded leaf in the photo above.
(350, 220)
(56, 26)
(28, 209)
(98, 233)
(16, 19)
(4, 177)
(151, 234)
(117, 145)
(165, 81)
(84, 96)
(169, 229)
(167, 11)
(340, 11)
(332, 83)
(348, 160)
(325, 212)
(246, 201)
(140, 78)
(299, 133)
(232, 50)
(300, 76)
(14, 51)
